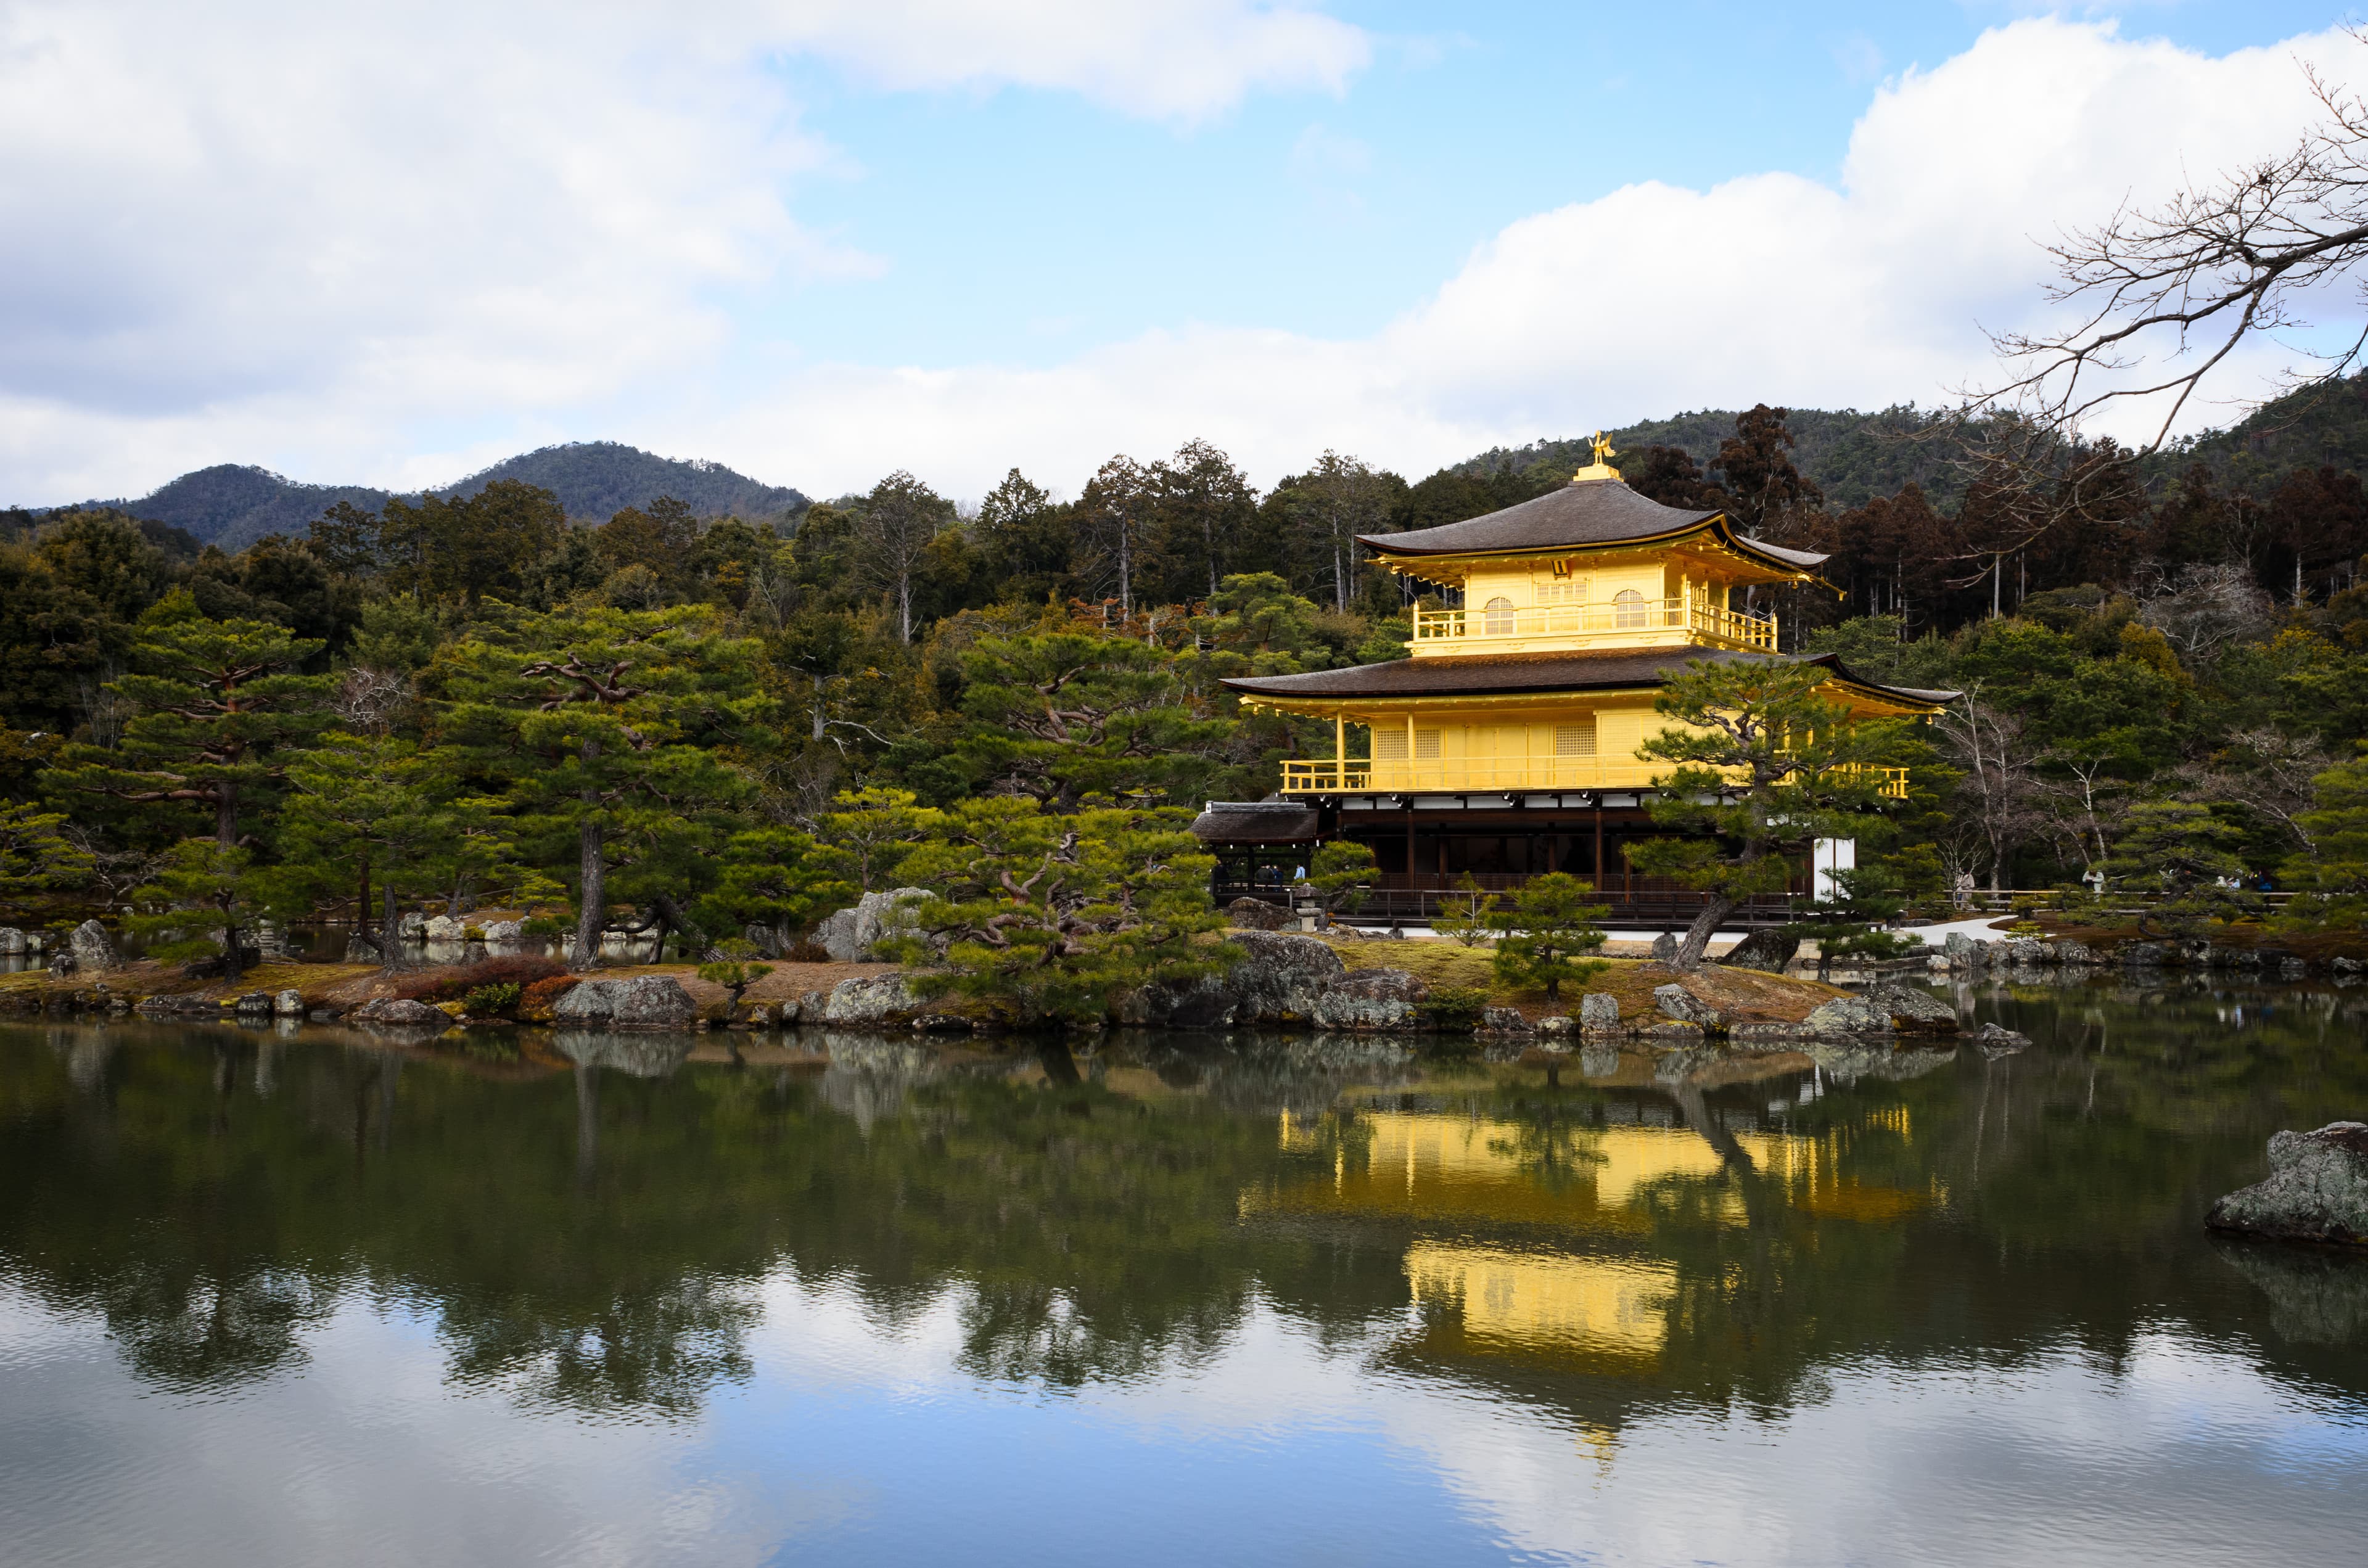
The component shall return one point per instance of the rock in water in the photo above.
(399, 1012)
(1913, 1011)
(288, 1005)
(1676, 1002)
(93, 952)
(1997, 1041)
(2317, 1191)
(1599, 1010)
(644, 1002)
(12, 940)
(1848, 1016)
(1372, 999)
(505, 931)
(445, 929)
(1257, 914)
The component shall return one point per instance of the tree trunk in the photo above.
(225, 813)
(390, 931)
(362, 899)
(232, 955)
(1698, 935)
(592, 907)
(592, 903)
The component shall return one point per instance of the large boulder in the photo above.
(1199, 1003)
(643, 1002)
(850, 935)
(288, 1005)
(875, 999)
(445, 929)
(12, 941)
(1676, 1002)
(1914, 1011)
(1257, 914)
(1372, 999)
(1848, 1016)
(1963, 951)
(1767, 948)
(1598, 1012)
(505, 931)
(2316, 1190)
(1281, 976)
(93, 952)
(1665, 947)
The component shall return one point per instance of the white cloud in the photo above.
(1647, 301)
(252, 229)
(396, 250)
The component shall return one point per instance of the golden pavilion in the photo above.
(1507, 745)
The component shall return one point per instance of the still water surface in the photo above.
(295, 1298)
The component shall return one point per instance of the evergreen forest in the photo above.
(706, 722)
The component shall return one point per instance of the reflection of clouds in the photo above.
(861, 1439)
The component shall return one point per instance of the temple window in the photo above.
(1576, 738)
(1497, 616)
(1627, 608)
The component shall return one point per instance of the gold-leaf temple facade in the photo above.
(1506, 745)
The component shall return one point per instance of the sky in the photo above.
(820, 239)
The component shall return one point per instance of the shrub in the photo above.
(451, 984)
(1457, 1009)
(473, 933)
(487, 1000)
(534, 1003)
(805, 949)
(544, 925)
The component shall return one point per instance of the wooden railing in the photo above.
(1396, 776)
(1589, 623)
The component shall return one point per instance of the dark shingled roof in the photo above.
(1255, 821)
(1583, 512)
(1512, 674)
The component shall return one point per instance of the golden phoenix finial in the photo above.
(1601, 467)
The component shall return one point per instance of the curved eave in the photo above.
(1798, 565)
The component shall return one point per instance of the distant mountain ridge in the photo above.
(1855, 457)
(232, 505)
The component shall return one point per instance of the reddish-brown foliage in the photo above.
(451, 984)
(534, 1004)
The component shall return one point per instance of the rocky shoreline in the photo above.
(1284, 980)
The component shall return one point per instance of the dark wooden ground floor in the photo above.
(1424, 855)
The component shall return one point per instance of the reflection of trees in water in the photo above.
(659, 1349)
(592, 1238)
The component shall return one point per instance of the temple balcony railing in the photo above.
(1615, 623)
(1422, 775)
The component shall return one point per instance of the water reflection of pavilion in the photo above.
(1549, 1243)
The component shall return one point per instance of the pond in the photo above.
(296, 1297)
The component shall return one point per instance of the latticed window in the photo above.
(1627, 608)
(1426, 743)
(1497, 616)
(1389, 745)
(1576, 738)
(1561, 590)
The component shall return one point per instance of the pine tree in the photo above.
(218, 706)
(1546, 938)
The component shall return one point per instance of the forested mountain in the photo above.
(1855, 457)
(231, 505)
